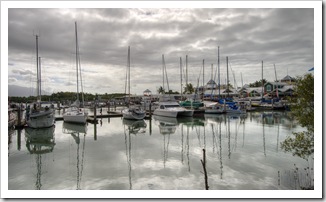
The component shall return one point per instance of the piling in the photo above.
(95, 112)
(150, 109)
(205, 171)
(19, 116)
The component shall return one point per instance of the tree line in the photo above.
(65, 96)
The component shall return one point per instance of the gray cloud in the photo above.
(280, 36)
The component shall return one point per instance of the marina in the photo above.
(194, 99)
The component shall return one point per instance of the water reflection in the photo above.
(39, 142)
(242, 152)
(75, 130)
(132, 127)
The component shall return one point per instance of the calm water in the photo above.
(242, 153)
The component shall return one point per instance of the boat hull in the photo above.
(174, 112)
(41, 119)
(75, 117)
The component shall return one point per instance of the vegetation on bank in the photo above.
(302, 109)
(65, 96)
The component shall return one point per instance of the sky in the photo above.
(283, 37)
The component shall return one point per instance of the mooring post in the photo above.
(19, 116)
(150, 109)
(95, 112)
(204, 167)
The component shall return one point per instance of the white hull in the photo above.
(41, 119)
(133, 114)
(173, 112)
(75, 116)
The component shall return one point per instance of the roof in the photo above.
(211, 82)
(277, 83)
(288, 78)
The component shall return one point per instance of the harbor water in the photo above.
(242, 152)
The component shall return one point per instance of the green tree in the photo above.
(161, 90)
(258, 83)
(189, 88)
(302, 109)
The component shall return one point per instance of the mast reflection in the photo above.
(39, 142)
(132, 127)
(75, 130)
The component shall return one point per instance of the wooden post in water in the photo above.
(19, 116)
(94, 112)
(203, 162)
(19, 131)
(150, 109)
(95, 130)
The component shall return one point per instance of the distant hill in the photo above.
(19, 91)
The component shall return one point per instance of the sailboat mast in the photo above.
(77, 60)
(186, 70)
(262, 79)
(227, 75)
(39, 80)
(203, 79)
(218, 65)
(37, 72)
(163, 73)
(181, 76)
(129, 73)
(276, 81)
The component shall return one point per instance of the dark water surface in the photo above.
(242, 153)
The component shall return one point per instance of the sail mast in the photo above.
(186, 70)
(77, 60)
(218, 65)
(203, 79)
(276, 81)
(181, 76)
(129, 73)
(227, 75)
(37, 72)
(262, 79)
(163, 73)
(39, 80)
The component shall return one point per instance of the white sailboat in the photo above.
(75, 114)
(132, 112)
(38, 116)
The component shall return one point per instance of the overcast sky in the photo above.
(247, 36)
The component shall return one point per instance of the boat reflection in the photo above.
(76, 130)
(71, 128)
(135, 126)
(132, 127)
(39, 142)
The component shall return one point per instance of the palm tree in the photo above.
(189, 88)
(161, 90)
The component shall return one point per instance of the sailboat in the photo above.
(75, 114)
(132, 112)
(39, 117)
